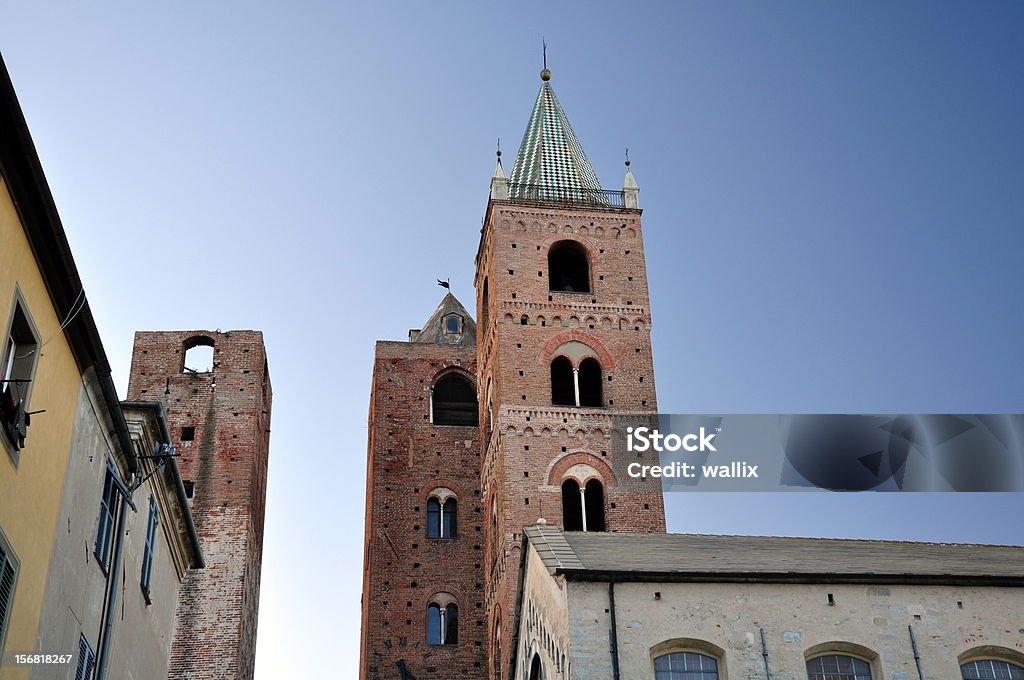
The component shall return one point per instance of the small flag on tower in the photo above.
(445, 284)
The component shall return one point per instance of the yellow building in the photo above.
(49, 343)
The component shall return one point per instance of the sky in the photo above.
(833, 220)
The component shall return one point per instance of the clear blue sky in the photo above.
(833, 200)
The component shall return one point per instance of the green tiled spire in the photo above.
(550, 156)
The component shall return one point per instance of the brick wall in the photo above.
(407, 458)
(225, 461)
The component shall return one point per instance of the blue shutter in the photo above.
(147, 555)
(86, 660)
(8, 574)
(108, 505)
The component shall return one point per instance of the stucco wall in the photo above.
(77, 586)
(797, 619)
(543, 627)
(30, 490)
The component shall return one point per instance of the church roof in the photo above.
(693, 557)
(550, 155)
(434, 329)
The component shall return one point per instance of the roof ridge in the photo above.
(596, 534)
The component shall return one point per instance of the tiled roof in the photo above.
(695, 557)
(550, 156)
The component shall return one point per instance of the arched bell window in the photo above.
(571, 386)
(453, 401)
(590, 382)
(582, 507)
(568, 268)
(563, 385)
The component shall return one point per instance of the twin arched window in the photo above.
(572, 386)
(441, 516)
(685, 666)
(582, 508)
(442, 624)
(453, 401)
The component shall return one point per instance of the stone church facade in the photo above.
(490, 453)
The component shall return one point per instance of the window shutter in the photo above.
(7, 575)
(147, 557)
(86, 660)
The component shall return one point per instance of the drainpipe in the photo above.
(613, 636)
(917, 656)
(764, 655)
(108, 614)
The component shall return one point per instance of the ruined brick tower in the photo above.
(473, 438)
(564, 345)
(215, 390)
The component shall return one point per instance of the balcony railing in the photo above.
(536, 193)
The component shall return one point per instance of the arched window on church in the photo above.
(582, 507)
(685, 665)
(572, 386)
(563, 385)
(442, 623)
(568, 268)
(991, 668)
(441, 517)
(590, 382)
(838, 667)
(453, 401)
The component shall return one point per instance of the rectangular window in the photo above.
(86, 660)
(8, 579)
(108, 510)
(18, 359)
(147, 554)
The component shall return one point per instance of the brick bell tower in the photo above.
(563, 346)
(215, 391)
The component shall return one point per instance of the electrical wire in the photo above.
(77, 306)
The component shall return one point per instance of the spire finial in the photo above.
(627, 156)
(545, 73)
(498, 152)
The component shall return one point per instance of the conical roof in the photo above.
(550, 156)
(434, 330)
